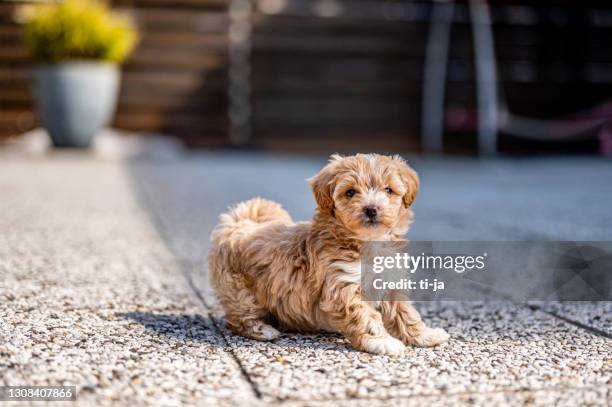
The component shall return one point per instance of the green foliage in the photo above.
(77, 29)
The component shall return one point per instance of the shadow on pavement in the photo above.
(198, 328)
(179, 326)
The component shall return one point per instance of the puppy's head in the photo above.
(370, 194)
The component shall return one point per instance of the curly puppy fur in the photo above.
(306, 275)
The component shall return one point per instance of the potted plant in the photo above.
(78, 45)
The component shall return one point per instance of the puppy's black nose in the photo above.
(370, 212)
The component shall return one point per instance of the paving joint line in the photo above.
(243, 370)
(570, 321)
(163, 233)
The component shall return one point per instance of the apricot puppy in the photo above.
(306, 275)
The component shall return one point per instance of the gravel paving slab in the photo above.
(538, 198)
(493, 347)
(90, 296)
(507, 347)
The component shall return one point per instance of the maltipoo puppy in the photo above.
(306, 276)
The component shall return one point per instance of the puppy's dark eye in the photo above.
(350, 193)
(388, 190)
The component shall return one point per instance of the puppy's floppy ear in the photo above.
(410, 179)
(322, 185)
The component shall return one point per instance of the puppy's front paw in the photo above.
(430, 337)
(386, 345)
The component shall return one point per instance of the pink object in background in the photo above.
(605, 140)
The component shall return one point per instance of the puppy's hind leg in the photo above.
(245, 317)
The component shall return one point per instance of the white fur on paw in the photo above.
(384, 346)
(431, 337)
(268, 332)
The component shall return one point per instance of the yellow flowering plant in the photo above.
(77, 29)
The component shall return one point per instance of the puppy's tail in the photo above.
(257, 210)
(240, 218)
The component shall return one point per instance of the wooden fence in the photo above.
(328, 75)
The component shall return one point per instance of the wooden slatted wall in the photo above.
(15, 71)
(337, 81)
(355, 79)
(326, 78)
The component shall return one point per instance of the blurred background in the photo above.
(336, 75)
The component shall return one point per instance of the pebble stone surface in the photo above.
(103, 286)
(90, 296)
